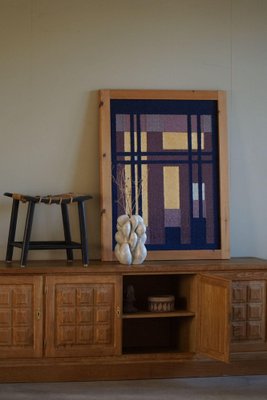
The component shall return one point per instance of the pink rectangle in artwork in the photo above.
(172, 218)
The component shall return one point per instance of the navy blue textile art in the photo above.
(165, 167)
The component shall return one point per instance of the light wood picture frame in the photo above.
(179, 139)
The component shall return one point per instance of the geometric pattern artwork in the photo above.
(166, 151)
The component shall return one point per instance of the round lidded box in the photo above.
(161, 303)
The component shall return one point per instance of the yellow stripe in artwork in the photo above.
(128, 189)
(144, 144)
(127, 141)
(194, 141)
(144, 193)
(127, 171)
(137, 193)
(127, 144)
(175, 141)
(171, 188)
(144, 179)
(179, 141)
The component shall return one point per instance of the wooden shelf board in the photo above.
(156, 352)
(148, 314)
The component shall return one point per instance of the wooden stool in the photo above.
(63, 200)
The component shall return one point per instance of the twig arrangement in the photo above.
(126, 186)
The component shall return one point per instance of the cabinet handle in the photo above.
(118, 311)
(38, 314)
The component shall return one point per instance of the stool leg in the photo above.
(83, 232)
(66, 226)
(12, 230)
(27, 234)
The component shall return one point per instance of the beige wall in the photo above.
(56, 54)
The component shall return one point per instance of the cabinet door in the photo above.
(213, 334)
(83, 316)
(21, 333)
(248, 315)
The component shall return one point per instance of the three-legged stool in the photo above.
(26, 244)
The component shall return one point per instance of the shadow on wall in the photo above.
(86, 174)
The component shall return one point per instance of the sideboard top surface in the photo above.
(161, 267)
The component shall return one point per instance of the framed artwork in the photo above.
(168, 149)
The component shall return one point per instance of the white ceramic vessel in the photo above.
(130, 238)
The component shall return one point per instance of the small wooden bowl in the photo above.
(161, 303)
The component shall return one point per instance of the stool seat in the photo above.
(26, 244)
(50, 199)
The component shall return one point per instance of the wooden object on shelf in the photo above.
(62, 323)
(161, 303)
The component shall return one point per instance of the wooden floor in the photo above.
(231, 388)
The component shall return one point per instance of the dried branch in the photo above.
(125, 187)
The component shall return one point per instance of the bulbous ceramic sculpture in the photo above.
(130, 238)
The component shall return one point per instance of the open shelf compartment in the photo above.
(168, 331)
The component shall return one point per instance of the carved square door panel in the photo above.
(248, 311)
(21, 316)
(83, 316)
